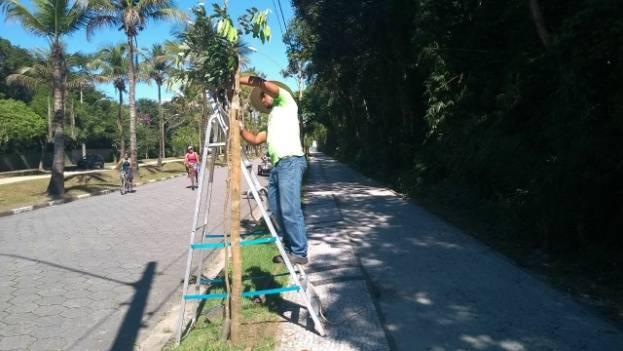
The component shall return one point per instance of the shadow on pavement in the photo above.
(132, 323)
(128, 331)
(435, 287)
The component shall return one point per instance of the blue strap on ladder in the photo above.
(214, 281)
(258, 232)
(244, 294)
(259, 241)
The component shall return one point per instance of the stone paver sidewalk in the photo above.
(434, 287)
(352, 319)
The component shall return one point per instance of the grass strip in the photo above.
(260, 316)
(29, 192)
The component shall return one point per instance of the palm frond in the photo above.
(77, 16)
(24, 81)
(14, 10)
(101, 21)
(168, 14)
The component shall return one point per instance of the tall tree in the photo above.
(111, 65)
(39, 73)
(156, 67)
(132, 16)
(52, 19)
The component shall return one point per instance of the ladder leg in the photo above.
(182, 313)
(282, 252)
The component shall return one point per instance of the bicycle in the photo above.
(125, 185)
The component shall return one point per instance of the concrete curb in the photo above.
(32, 207)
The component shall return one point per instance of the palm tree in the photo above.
(40, 74)
(156, 67)
(52, 19)
(111, 64)
(34, 76)
(131, 16)
(79, 77)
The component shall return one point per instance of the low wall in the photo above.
(30, 159)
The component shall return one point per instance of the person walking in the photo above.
(191, 161)
(287, 157)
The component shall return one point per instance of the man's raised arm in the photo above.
(269, 88)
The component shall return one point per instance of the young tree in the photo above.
(52, 19)
(256, 23)
(210, 48)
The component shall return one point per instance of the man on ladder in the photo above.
(289, 164)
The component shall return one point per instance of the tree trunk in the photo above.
(73, 120)
(539, 22)
(299, 81)
(120, 126)
(50, 129)
(234, 150)
(57, 181)
(132, 103)
(161, 125)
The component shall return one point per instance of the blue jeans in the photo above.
(284, 200)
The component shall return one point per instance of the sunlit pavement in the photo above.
(95, 274)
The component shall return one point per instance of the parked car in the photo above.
(91, 161)
(263, 169)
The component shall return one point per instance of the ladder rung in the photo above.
(271, 291)
(259, 232)
(259, 241)
(205, 296)
(210, 281)
(203, 246)
(244, 294)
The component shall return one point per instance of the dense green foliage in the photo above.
(19, 125)
(469, 95)
(12, 58)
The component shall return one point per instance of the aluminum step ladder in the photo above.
(215, 129)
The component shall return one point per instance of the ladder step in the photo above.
(203, 246)
(258, 232)
(212, 281)
(271, 291)
(244, 294)
(205, 296)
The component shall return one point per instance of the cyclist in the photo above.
(125, 169)
(191, 161)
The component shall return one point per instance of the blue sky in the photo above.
(270, 57)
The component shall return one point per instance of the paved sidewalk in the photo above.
(435, 288)
(352, 319)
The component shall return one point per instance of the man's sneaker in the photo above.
(294, 259)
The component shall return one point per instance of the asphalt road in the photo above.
(95, 274)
